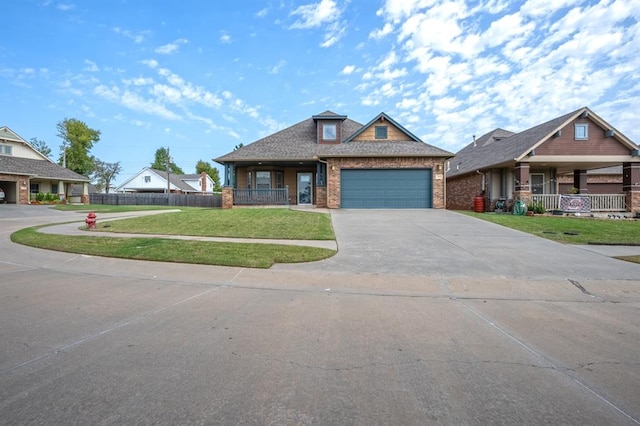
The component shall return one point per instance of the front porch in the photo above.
(300, 183)
(600, 203)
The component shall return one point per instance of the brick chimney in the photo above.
(203, 181)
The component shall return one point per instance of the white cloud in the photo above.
(171, 47)
(276, 68)
(225, 38)
(348, 69)
(137, 38)
(324, 14)
(381, 32)
(90, 66)
(315, 14)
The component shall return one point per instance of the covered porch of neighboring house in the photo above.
(561, 186)
(27, 189)
(278, 183)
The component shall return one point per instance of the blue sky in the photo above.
(200, 77)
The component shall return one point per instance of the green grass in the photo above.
(166, 250)
(570, 230)
(238, 223)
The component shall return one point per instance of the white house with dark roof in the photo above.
(532, 165)
(24, 171)
(153, 180)
(330, 160)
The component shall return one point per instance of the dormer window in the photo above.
(329, 131)
(381, 132)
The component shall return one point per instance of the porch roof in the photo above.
(42, 169)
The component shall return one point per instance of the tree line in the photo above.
(75, 154)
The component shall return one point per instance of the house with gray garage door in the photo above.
(330, 160)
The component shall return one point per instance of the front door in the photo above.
(305, 188)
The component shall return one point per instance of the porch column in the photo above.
(85, 193)
(580, 181)
(631, 186)
(61, 192)
(227, 197)
(522, 188)
(229, 175)
(321, 185)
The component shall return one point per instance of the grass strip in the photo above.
(179, 251)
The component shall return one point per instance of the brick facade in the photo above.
(462, 190)
(336, 164)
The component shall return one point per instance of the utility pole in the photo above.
(168, 171)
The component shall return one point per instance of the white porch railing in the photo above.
(599, 202)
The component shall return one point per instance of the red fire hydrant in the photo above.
(91, 220)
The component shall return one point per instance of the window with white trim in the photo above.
(582, 131)
(329, 131)
(6, 149)
(147, 179)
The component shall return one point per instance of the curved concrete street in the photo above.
(423, 317)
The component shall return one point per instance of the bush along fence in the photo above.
(157, 199)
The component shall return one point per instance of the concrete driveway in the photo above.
(350, 340)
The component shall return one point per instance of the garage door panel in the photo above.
(386, 188)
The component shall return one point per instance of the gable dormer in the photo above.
(329, 127)
(382, 129)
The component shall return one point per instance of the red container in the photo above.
(478, 204)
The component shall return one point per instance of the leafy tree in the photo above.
(40, 146)
(160, 162)
(204, 166)
(105, 173)
(78, 139)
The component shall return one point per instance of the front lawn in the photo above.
(180, 251)
(276, 223)
(570, 230)
(234, 223)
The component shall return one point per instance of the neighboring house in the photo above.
(25, 171)
(331, 161)
(152, 180)
(534, 163)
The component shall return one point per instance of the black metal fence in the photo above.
(261, 197)
(157, 199)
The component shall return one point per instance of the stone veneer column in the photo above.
(522, 188)
(227, 197)
(321, 197)
(631, 186)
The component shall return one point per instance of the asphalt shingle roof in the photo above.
(38, 168)
(501, 146)
(299, 143)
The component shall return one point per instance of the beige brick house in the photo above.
(578, 152)
(332, 161)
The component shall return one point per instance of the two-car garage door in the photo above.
(386, 188)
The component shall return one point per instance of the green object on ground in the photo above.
(520, 208)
